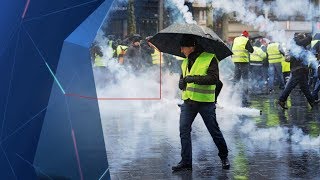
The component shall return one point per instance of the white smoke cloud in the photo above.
(165, 112)
(289, 8)
(181, 8)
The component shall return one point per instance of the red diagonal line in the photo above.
(77, 154)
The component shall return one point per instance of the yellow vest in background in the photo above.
(156, 57)
(240, 54)
(258, 55)
(98, 61)
(274, 55)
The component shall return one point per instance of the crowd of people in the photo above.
(262, 65)
(135, 53)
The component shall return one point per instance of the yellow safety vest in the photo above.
(274, 55)
(156, 57)
(196, 92)
(98, 61)
(257, 57)
(240, 54)
(121, 50)
(285, 66)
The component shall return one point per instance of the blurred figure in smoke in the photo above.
(99, 66)
(299, 71)
(285, 70)
(265, 66)
(133, 56)
(275, 57)
(257, 58)
(200, 74)
(241, 48)
(96, 55)
(112, 44)
(147, 51)
(315, 47)
(121, 50)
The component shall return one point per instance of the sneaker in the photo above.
(282, 104)
(181, 166)
(225, 163)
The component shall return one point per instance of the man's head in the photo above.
(135, 39)
(187, 44)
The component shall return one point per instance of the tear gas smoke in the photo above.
(178, 8)
(246, 14)
(134, 115)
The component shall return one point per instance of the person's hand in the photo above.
(189, 79)
(182, 84)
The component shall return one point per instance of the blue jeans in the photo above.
(316, 90)
(207, 111)
(299, 77)
(275, 72)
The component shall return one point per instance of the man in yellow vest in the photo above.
(257, 59)
(197, 82)
(275, 57)
(241, 48)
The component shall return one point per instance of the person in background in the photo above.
(256, 66)
(133, 57)
(275, 57)
(121, 51)
(147, 51)
(198, 82)
(299, 71)
(241, 48)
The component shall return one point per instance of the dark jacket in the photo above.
(134, 57)
(146, 51)
(298, 62)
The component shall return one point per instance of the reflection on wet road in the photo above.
(142, 141)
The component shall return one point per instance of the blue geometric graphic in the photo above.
(43, 132)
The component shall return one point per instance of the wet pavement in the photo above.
(142, 140)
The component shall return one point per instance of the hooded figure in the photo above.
(134, 56)
(299, 71)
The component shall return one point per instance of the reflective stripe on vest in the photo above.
(274, 55)
(196, 92)
(257, 56)
(240, 54)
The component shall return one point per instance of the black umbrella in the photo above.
(168, 39)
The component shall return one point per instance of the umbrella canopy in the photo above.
(168, 39)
